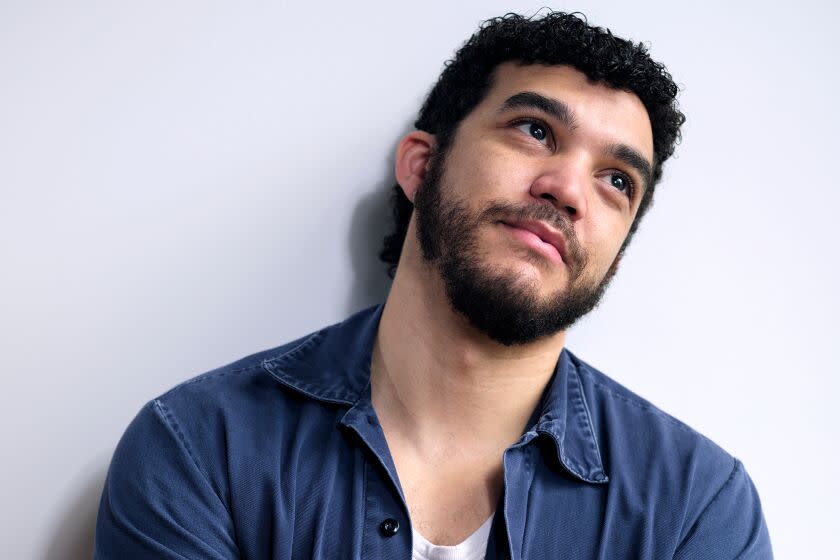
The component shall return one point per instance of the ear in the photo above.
(413, 154)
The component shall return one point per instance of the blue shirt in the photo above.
(281, 456)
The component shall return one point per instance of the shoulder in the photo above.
(262, 397)
(630, 421)
(327, 366)
(237, 385)
(189, 452)
(195, 429)
(659, 463)
(225, 413)
(220, 398)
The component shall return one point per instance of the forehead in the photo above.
(607, 114)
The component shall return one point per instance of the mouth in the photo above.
(540, 238)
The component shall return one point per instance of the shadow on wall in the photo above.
(370, 222)
(72, 539)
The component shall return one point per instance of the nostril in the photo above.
(547, 196)
(571, 210)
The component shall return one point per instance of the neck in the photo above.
(435, 379)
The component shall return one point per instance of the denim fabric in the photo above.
(280, 455)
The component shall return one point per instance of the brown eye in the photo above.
(622, 182)
(619, 181)
(535, 130)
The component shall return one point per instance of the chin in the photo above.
(533, 275)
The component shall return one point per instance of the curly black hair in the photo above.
(556, 38)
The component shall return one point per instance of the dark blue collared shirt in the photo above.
(281, 456)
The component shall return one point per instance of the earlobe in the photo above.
(412, 159)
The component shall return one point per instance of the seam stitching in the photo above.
(167, 416)
(587, 419)
(735, 469)
(647, 407)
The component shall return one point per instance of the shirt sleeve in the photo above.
(157, 501)
(731, 526)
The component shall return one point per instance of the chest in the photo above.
(328, 493)
(450, 498)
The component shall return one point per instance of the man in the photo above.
(451, 422)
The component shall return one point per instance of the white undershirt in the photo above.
(473, 548)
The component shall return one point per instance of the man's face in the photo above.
(525, 214)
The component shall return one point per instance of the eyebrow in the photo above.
(560, 111)
(531, 100)
(632, 158)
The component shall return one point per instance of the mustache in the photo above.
(546, 213)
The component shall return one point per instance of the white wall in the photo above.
(183, 183)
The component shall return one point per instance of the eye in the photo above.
(622, 182)
(535, 129)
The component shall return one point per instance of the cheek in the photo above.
(489, 168)
(609, 239)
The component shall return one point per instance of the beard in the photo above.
(504, 305)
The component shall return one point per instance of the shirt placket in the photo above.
(386, 528)
(518, 464)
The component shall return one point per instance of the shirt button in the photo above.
(389, 527)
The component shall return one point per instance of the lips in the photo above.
(544, 236)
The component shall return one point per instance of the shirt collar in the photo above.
(333, 365)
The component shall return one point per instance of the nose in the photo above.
(564, 186)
